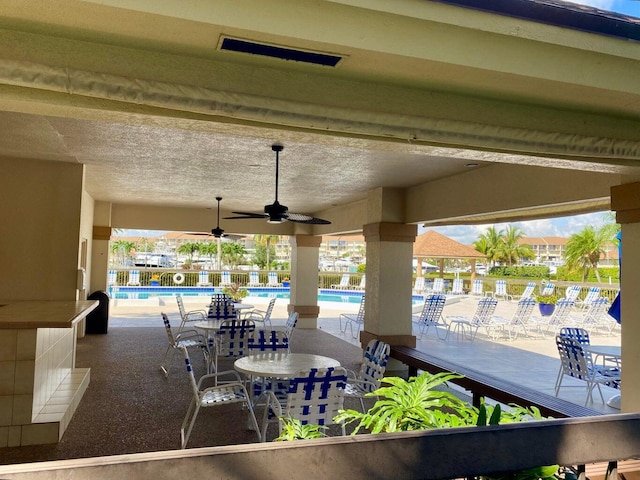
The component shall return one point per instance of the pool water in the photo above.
(143, 293)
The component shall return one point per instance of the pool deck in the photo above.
(533, 362)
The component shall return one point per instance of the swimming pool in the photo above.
(143, 293)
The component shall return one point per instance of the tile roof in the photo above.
(435, 245)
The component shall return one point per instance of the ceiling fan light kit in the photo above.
(276, 212)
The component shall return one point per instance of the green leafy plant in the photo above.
(293, 429)
(549, 299)
(412, 404)
(236, 292)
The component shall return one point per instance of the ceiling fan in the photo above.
(216, 232)
(277, 213)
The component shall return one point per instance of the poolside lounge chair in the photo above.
(362, 284)
(572, 292)
(548, 289)
(112, 278)
(528, 290)
(418, 286)
(344, 282)
(225, 279)
(561, 317)
(478, 287)
(431, 314)
(437, 286)
(500, 291)
(273, 280)
(254, 280)
(134, 278)
(203, 279)
(519, 320)
(457, 287)
(592, 295)
(481, 318)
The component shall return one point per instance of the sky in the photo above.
(628, 7)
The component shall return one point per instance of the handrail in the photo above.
(425, 455)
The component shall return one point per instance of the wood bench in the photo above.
(483, 385)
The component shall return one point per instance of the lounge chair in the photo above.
(592, 295)
(203, 279)
(437, 286)
(418, 286)
(520, 318)
(112, 278)
(528, 291)
(478, 287)
(225, 279)
(344, 282)
(548, 289)
(458, 287)
(500, 291)
(431, 314)
(134, 278)
(273, 280)
(561, 317)
(481, 318)
(254, 280)
(362, 284)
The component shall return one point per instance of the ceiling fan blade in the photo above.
(301, 218)
(246, 215)
(199, 233)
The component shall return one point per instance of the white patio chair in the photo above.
(481, 318)
(457, 288)
(134, 278)
(350, 319)
(262, 316)
(519, 319)
(225, 279)
(344, 282)
(547, 289)
(267, 341)
(186, 338)
(500, 291)
(254, 280)
(189, 316)
(577, 364)
(363, 283)
(418, 286)
(572, 292)
(437, 286)
(314, 397)
(561, 317)
(203, 279)
(231, 340)
(222, 393)
(367, 380)
(431, 314)
(273, 280)
(290, 326)
(592, 294)
(477, 288)
(597, 316)
(528, 290)
(221, 307)
(112, 278)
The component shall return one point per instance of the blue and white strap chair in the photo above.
(501, 290)
(254, 280)
(225, 279)
(418, 286)
(314, 398)
(478, 287)
(221, 307)
(134, 278)
(290, 326)
(112, 278)
(367, 380)
(458, 287)
(561, 317)
(437, 286)
(572, 292)
(231, 340)
(273, 280)
(431, 314)
(528, 291)
(351, 319)
(344, 282)
(481, 318)
(520, 318)
(576, 363)
(228, 389)
(592, 294)
(203, 279)
(275, 341)
(186, 338)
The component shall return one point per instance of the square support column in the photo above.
(305, 251)
(389, 282)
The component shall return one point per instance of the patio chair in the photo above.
(314, 398)
(575, 363)
(262, 316)
(362, 285)
(519, 319)
(344, 282)
(477, 288)
(481, 318)
(231, 340)
(437, 286)
(367, 380)
(547, 289)
(267, 341)
(189, 316)
(457, 287)
(203, 279)
(254, 280)
(431, 314)
(597, 316)
(273, 280)
(572, 292)
(561, 317)
(112, 278)
(418, 286)
(592, 294)
(186, 338)
(221, 307)
(500, 291)
(290, 326)
(222, 393)
(225, 279)
(528, 290)
(350, 319)
(134, 278)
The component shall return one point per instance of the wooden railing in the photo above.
(418, 455)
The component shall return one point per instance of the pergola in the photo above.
(432, 244)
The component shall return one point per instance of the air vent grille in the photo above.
(273, 51)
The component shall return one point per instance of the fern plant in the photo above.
(293, 429)
(412, 404)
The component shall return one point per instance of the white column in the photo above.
(305, 250)
(625, 201)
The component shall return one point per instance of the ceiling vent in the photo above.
(228, 44)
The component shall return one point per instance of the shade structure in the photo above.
(432, 244)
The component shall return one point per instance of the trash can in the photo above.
(98, 319)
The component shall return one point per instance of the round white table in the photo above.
(281, 365)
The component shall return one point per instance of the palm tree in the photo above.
(189, 249)
(123, 249)
(489, 243)
(233, 253)
(267, 239)
(509, 250)
(584, 249)
(210, 249)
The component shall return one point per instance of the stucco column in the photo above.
(100, 248)
(389, 283)
(305, 250)
(625, 201)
